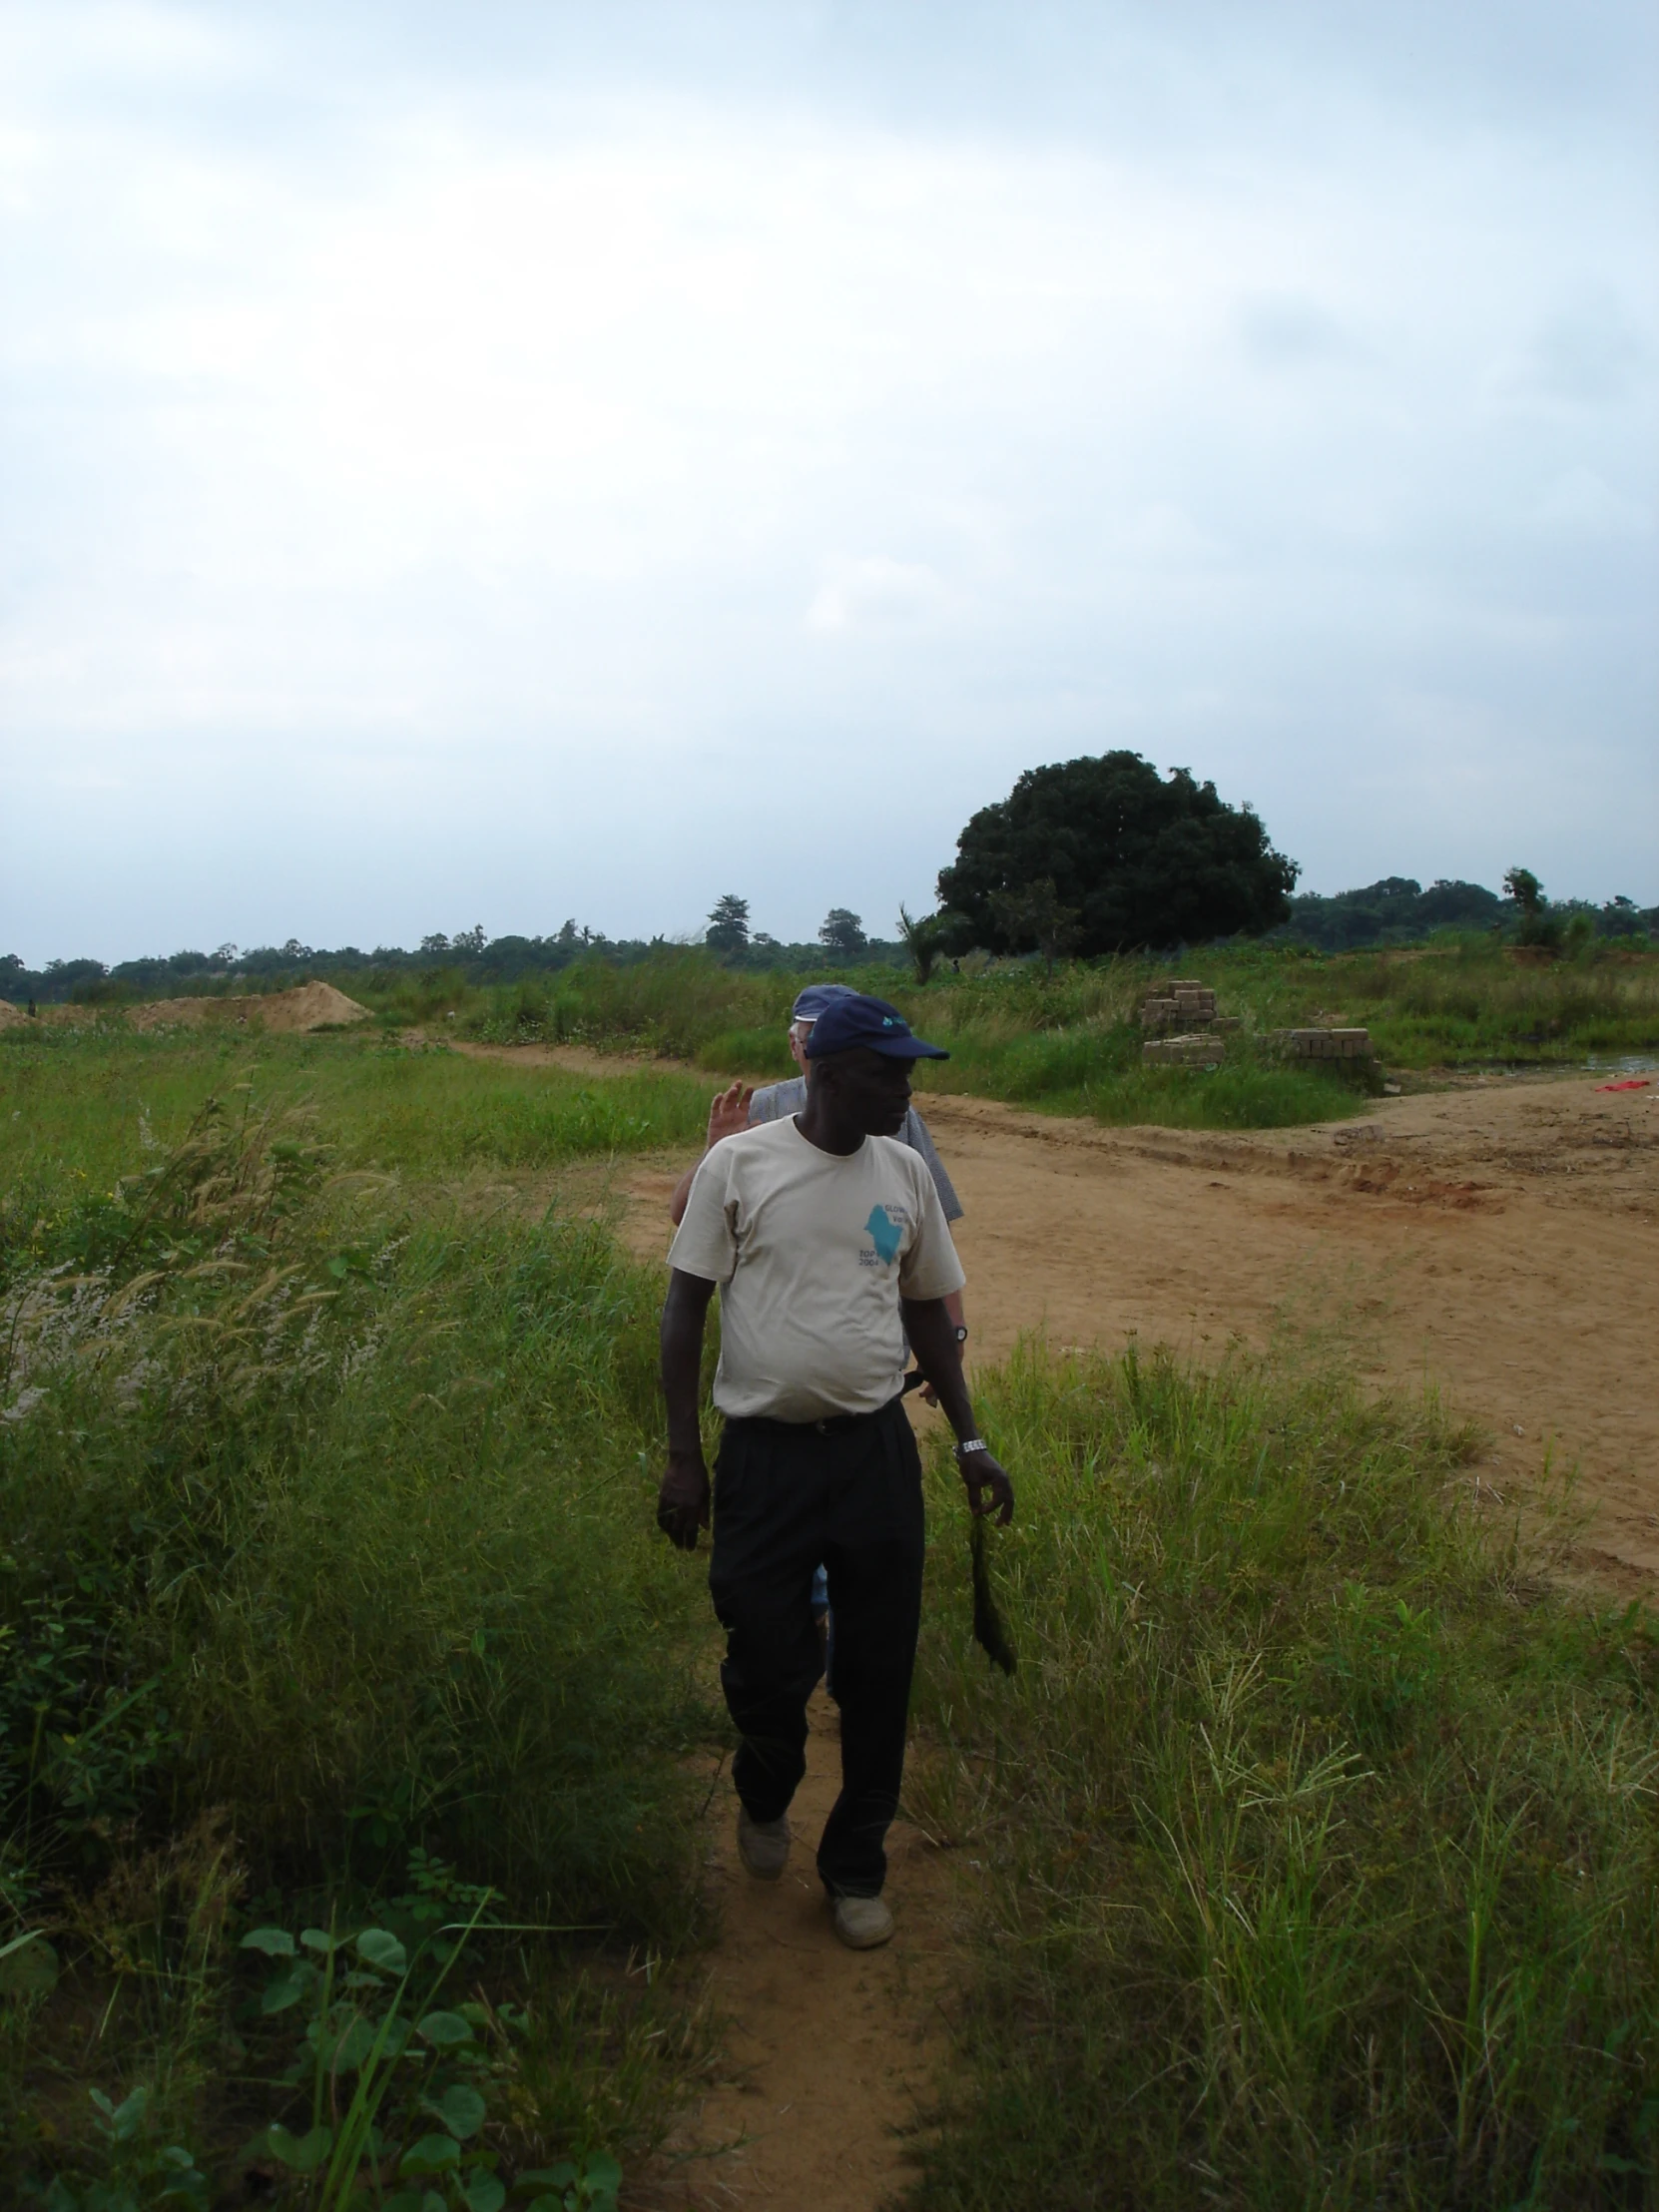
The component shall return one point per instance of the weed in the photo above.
(323, 1525)
(1318, 1835)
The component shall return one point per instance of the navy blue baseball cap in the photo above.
(846, 1023)
(811, 1002)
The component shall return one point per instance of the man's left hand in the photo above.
(988, 1487)
(682, 1499)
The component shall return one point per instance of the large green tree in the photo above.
(1137, 859)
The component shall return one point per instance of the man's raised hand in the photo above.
(728, 1111)
(683, 1500)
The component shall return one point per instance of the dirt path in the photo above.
(828, 2053)
(1498, 1240)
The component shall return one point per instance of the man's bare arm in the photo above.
(682, 1494)
(727, 1113)
(933, 1336)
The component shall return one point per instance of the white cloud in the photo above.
(1580, 504)
(874, 591)
(403, 429)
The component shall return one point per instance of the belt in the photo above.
(832, 1424)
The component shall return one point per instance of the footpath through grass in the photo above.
(1316, 1838)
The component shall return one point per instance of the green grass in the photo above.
(1313, 1857)
(1070, 1042)
(325, 1538)
(1097, 1071)
(1309, 1859)
(91, 1103)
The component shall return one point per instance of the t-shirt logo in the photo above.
(885, 1233)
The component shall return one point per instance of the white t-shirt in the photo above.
(813, 1253)
(776, 1101)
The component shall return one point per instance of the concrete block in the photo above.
(1184, 1052)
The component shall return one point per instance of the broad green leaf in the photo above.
(28, 1968)
(433, 2154)
(352, 2045)
(442, 2030)
(561, 2176)
(186, 2186)
(275, 1942)
(483, 2193)
(600, 2180)
(286, 1990)
(123, 2120)
(318, 1939)
(461, 2109)
(304, 2153)
(377, 1947)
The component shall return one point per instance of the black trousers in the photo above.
(787, 1495)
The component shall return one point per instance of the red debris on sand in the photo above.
(1635, 1083)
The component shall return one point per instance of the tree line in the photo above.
(1083, 859)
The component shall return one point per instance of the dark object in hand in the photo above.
(988, 1631)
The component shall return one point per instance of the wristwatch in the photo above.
(974, 1443)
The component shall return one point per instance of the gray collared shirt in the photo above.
(774, 1101)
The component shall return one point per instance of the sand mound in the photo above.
(70, 1017)
(310, 1006)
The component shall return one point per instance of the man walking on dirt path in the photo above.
(742, 1107)
(830, 1246)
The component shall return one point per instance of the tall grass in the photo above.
(1315, 1839)
(357, 1494)
(1071, 1041)
(86, 1105)
(326, 1539)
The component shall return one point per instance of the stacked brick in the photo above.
(1184, 1030)
(1201, 1051)
(1183, 1006)
(1183, 1025)
(1324, 1044)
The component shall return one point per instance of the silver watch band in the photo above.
(974, 1443)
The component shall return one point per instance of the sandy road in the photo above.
(1498, 1240)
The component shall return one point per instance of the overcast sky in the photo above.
(497, 462)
